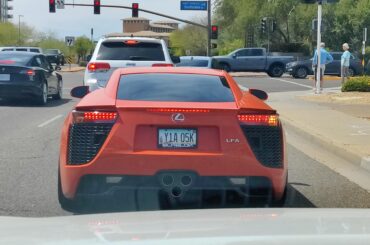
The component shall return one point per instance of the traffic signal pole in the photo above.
(318, 48)
(209, 48)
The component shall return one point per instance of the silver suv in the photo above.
(117, 52)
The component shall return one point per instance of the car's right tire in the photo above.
(65, 203)
(42, 99)
(301, 72)
(276, 70)
(225, 67)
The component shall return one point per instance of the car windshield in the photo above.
(174, 87)
(51, 51)
(194, 63)
(141, 51)
(179, 106)
(14, 58)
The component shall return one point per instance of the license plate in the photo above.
(4, 77)
(177, 138)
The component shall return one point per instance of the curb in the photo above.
(328, 145)
(73, 69)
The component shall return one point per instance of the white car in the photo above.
(117, 52)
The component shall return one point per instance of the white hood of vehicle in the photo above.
(218, 226)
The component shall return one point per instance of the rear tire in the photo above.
(59, 94)
(276, 70)
(301, 73)
(225, 67)
(65, 203)
(42, 99)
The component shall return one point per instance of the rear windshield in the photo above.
(174, 87)
(194, 63)
(14, 59)
(51, 51)
(118, 50)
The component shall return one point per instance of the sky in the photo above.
(77, 21)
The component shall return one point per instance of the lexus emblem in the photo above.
(178, 117)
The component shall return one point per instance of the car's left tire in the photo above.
(301, 72)
(42, 99)
(276, 70)
(59, 94)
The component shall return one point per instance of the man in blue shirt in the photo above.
(344, 64)
(325, 58)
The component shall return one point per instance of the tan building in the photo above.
(142, 27)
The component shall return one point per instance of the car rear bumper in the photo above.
(19, 89)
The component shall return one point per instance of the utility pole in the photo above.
(318, 47)
(19, 29)
(209, 46)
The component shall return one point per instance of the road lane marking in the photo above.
(49, 121)
(286, 81)
(242, 87)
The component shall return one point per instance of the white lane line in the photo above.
(49, 121)
(286, 81)
(242, 87)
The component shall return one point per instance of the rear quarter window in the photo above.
(118, 50)
(174, 87)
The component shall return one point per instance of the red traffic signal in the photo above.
(96, 6)
(135, 10)
(214, 32)
(51, 6)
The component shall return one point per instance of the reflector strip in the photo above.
(178, 110)
(255, 119)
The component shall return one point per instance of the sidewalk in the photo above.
(74, 68)
(325, 124)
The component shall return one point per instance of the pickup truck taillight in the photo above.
(98, 67)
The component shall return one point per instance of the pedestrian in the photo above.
(326, 58)
(344, 64)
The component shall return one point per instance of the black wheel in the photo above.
(225, 67)
(276, 70)
(42, 99)
(65, 203)
(59, 94)
(351, 72)
(301, 72)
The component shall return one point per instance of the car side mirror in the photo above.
(262, 95)
(234, 56)
(80, 91)
(175, 59)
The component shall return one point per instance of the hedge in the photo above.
(359, 84)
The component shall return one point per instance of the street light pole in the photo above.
(318, 48)
(19, 29)
(209, 46)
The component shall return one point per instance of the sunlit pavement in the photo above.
(30, 147)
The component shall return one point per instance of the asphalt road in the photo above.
(30, 147)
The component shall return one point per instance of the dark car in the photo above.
(300, 69)
(55, 56)
(26, 74)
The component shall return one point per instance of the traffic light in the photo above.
(135, 10)
(273, 26)
(264, 25)
(51, 6)
(96, 6)
(214, 32)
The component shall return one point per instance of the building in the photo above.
(142, 27)
(4, 10)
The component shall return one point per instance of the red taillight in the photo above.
(178, 110)
(256, 119)
(29, 72)
(7, 62)
(98, 66)
(162, 65)
(94, 116)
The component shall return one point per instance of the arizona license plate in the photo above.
(177, 138)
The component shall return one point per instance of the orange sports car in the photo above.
(176, 131)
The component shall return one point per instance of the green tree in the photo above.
(82, 47)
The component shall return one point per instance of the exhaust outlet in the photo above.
(167, 180)
(176, 192)
(186, 180)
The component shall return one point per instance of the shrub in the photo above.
(83, 63)
(359, 84)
